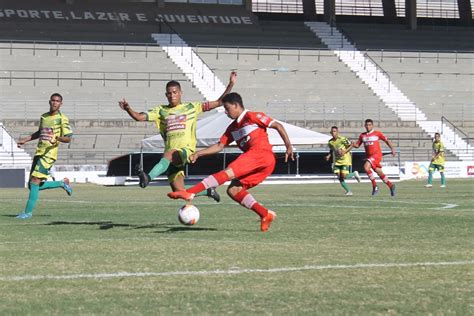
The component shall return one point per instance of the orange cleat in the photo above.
(182, 194)
(267, 221)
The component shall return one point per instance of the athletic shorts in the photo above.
(41, 166)
(178, 170)
(252, 167)
(344, 169)
(434, 167)
(375, 161)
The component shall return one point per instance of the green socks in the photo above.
(345, 186)
(32, 198)
(443, 179)
(51, 185)
(430, 178)
(350, 175)
(159, 168)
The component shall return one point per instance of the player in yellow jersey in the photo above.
(177, 122)
(53, 129)
(437, 162)
(339, 152)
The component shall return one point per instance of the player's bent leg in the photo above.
(356, 176)
(65, 184)
(239, 194)
(211, 181)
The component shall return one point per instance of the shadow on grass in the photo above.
(15, 215)
(104, 225)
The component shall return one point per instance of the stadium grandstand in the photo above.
(310, 63)
(99, 215)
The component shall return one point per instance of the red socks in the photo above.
(370, 174)
(212, 181)
(248, 201)
(382, 176)
(386, 180)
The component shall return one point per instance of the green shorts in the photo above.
(344, 169)
(434, 167)
(178, 170)
(41, 166)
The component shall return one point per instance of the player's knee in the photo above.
(169, 154)
(232, 191)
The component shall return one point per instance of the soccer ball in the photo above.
(188, 215)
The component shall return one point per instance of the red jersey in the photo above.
(249, 131)
(371, 142)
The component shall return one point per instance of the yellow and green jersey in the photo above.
(177, 124)
(57, 125)
(438, 148)
(340, 142)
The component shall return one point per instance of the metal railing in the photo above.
(204, 65)
(80, 47)
(97, 76)
(263, 51)
(445, 121)
(106, 110)
(378, 69)
(148, 48)
(422, 55)
(287, 6)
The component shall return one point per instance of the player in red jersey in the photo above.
(249, 131)
(371, 139)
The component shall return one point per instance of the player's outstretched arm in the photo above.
(134, 115)
(31, 137)
(289, 148)
(392, 148)
(214, 149)
(230, 85)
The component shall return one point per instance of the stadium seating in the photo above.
(307, 86)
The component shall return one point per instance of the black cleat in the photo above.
(212, 193)
(144, 178)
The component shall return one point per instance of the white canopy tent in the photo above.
(210, 129)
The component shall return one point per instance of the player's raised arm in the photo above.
(137, 116)
(214, 104)
(281, 130)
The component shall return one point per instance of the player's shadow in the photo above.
(175, 229)
(105, 225)
(15, 215)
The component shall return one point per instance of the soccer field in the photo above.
(121, 250)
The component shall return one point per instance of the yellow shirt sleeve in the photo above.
(65, 126)
(153, 115)
(197, 107)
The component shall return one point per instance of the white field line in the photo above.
(233, 271)
(172, 203)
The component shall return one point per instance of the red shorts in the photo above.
(375, 161)
(252, 167)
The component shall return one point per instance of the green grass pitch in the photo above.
(121, 250)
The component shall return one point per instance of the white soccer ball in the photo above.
(188, 215)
